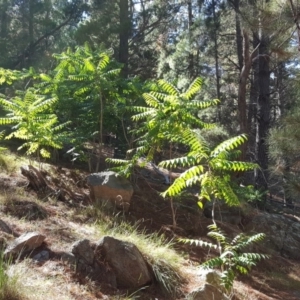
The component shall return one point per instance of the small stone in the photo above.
(42, 256)
(25, 243)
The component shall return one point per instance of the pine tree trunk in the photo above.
(238, 34)
(242, 102)
(216, 54)
(263, 112)
(191, 56)
(30, 30)
(124, 36)
(3, 33)
(3, 19)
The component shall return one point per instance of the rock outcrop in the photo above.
(110, 261)
(83, 249)
(211, 287)
(110, 186)
(125, 260)
(282, 233)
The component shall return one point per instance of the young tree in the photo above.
(210, 170)
(33, 122)
(84, 82)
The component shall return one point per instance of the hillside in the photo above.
(148, 219)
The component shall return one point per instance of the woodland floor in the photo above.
(64, 223)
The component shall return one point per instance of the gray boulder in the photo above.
(207, 292)
(125, 260)
(82, 261)
(83, 249)
(110, 186)
(24, 243)
(211, 288)
(282, 233)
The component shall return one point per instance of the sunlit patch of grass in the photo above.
(13, 202)
(10, 162)
(166, 263)
(10, 286)
(47, 282)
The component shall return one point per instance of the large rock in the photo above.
(24, 243)
(110, 186)
(125, 260)
(282, 233)
(83, 249)
(211, 288)
(207, 292)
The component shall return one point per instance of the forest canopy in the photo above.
(83, 75)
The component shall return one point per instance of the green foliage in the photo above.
(168, 113)
(208, 169)
(86, 83)
(8, 76)
(283, 150)
(9, 285)
(34, 124)
(232, 259)
(250, 194)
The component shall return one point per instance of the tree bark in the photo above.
(191, 56)
(252, 107)
(124, 36)
(296, 16)
(263, 112)
(242, 104)
(30, 29)
(4, 19)
(216, 54)
(242, 93)
(238, 34)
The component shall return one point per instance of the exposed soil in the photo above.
(62, 223)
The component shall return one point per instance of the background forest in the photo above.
(202, 93)
(73, 73)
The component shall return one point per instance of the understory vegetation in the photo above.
(200, 99)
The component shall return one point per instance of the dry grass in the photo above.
(64, 224)
(49, 281)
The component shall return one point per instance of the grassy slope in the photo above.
(65, 223)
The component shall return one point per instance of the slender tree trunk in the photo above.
(279, 101)
(100, 132)
(191, 56)
(216, 54)
(3, 19)
(124, 33)
(30, 30)
(124, 36)
(242, 93)
(263, 112)
(242, 103)
(238, 34)
(296, 16)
